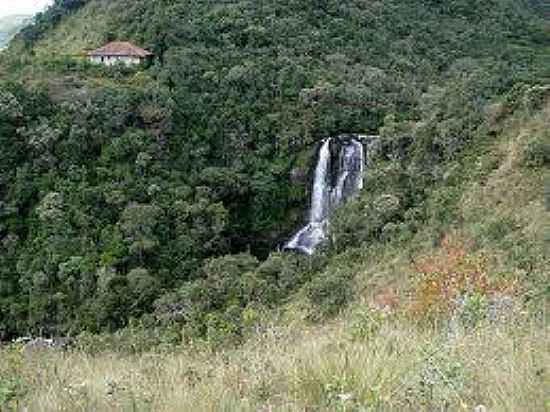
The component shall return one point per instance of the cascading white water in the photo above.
(326, 195)
(319, 198)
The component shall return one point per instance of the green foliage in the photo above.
(438, 379)
(12, 384)
(367, 324)
(537, 152)
(43, 22)
(329, 291)
(126, 191)
(474, 309)
(138, 337)
(222, 302)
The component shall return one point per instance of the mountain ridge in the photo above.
(11, 25)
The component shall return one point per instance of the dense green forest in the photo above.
(158, 195)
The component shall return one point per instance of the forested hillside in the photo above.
(159, 194)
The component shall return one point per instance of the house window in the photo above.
(103, 60)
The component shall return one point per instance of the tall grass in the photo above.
(395, 366)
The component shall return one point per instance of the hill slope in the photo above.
(382, 352)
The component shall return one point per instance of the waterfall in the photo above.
(332, 185)
(319, 198)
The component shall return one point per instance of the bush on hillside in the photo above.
(537, 151)
(455, 281)
(364, 219)
(330, 291)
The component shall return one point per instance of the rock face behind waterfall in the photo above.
(338, 176)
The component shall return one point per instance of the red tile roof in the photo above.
(120, 48)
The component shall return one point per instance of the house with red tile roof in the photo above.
(119, 52)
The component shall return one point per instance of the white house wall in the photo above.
(112, 60)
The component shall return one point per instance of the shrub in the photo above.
(12, 384)
(330, 291)
(454, 279)
(537, 152)
(534, 97)
(367, 324)
(283, 274)
(223, 329)
(364, 219)
(436, 381)
(138, 337)
(474, 309)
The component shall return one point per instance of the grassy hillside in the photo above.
(382, 353)
(324, 369)
(10, 25)
(140, 208)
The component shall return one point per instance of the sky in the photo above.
(9, 7)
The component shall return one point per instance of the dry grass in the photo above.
(393, 367)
